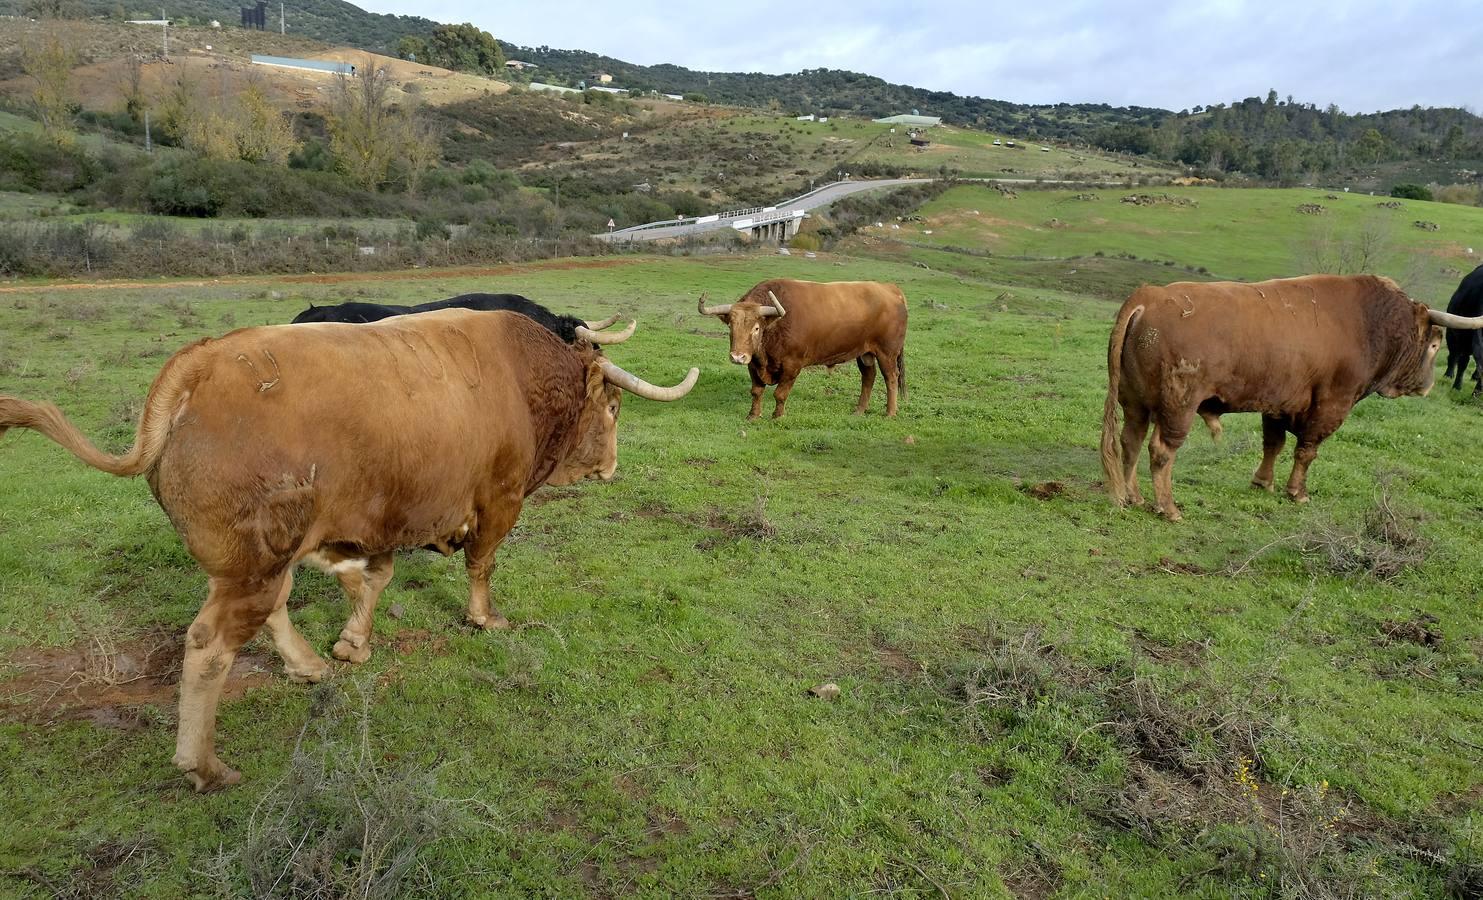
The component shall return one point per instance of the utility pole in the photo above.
(282, 22)
(165, 31)
(147, 147)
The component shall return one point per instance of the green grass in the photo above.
(647, 730)
(1244, 234)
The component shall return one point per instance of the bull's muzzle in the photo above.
(741, 359)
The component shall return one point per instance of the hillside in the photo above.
(1283, 141)
(329, 21)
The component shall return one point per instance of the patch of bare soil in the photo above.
(410, 640)
(1421, 631)
(107, 684)
(896, 660)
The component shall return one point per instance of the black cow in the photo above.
(1467, 300)
(568, 328)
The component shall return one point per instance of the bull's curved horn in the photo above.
(721, 310)
(1451, 321)
(636, 385)
(599, 326)
(776, 309)
(606, 337)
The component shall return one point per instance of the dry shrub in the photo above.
(341, 822)
(80, 371)
(1384, 546)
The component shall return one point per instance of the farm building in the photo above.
(310, 65)
(552, 88)
(519, 65)
(600, 78)
(918, 121)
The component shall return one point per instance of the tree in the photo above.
(48, 60)
(412, 47)
(263, 133)
(369, 137)
(466, 49)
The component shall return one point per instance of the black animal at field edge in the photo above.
(569, 328)
(1467, 300)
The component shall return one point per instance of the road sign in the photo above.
(611, 223)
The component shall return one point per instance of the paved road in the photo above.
(813, 200)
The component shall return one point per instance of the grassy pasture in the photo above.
(1244, 234)
(1039, 694)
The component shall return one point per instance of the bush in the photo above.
(1411, 192)
(31, 163)
(805, 242)
(1461, 194)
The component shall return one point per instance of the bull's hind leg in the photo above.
(1169, 433)
(363, 581)
(867, 364)
(1135, 428)
(478, 554)
(300, 662)
(1274, 436)
(235, 609)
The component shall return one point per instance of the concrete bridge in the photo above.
(765, 223)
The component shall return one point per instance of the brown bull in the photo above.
(338, 444)
(783, 326)
(1300, 351)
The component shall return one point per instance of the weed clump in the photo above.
(341, 822)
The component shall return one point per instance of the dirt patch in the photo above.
(107, 684)
(425, 274)
(410, 640)
(328, 278)
(895, 660)
(1046, 490)
(1421, 631)
(1183, 653)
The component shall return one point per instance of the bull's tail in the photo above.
(1112, 457)
(901, 374)
(169, 391)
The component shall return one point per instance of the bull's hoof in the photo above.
(752, 417)
(859, 411)
(211, 775)
(1262, 485)
(1298, 498)
(350, 653)
(1172, 513)
(495, 622)
(310, 674)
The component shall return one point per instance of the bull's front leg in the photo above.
(1310, 435)
(781, 392)
(478, 553)
(1274, 436)
(758, 386)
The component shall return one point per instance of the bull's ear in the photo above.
(597, 384)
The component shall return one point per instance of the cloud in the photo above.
(1364, 55)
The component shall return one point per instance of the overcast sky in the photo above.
(1363, 55)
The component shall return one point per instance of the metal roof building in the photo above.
(314, 65)
(923, 121)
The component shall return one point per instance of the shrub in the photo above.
(1411, 192)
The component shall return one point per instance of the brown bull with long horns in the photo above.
(337, 444)
(782, 326)
(1300, 351)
